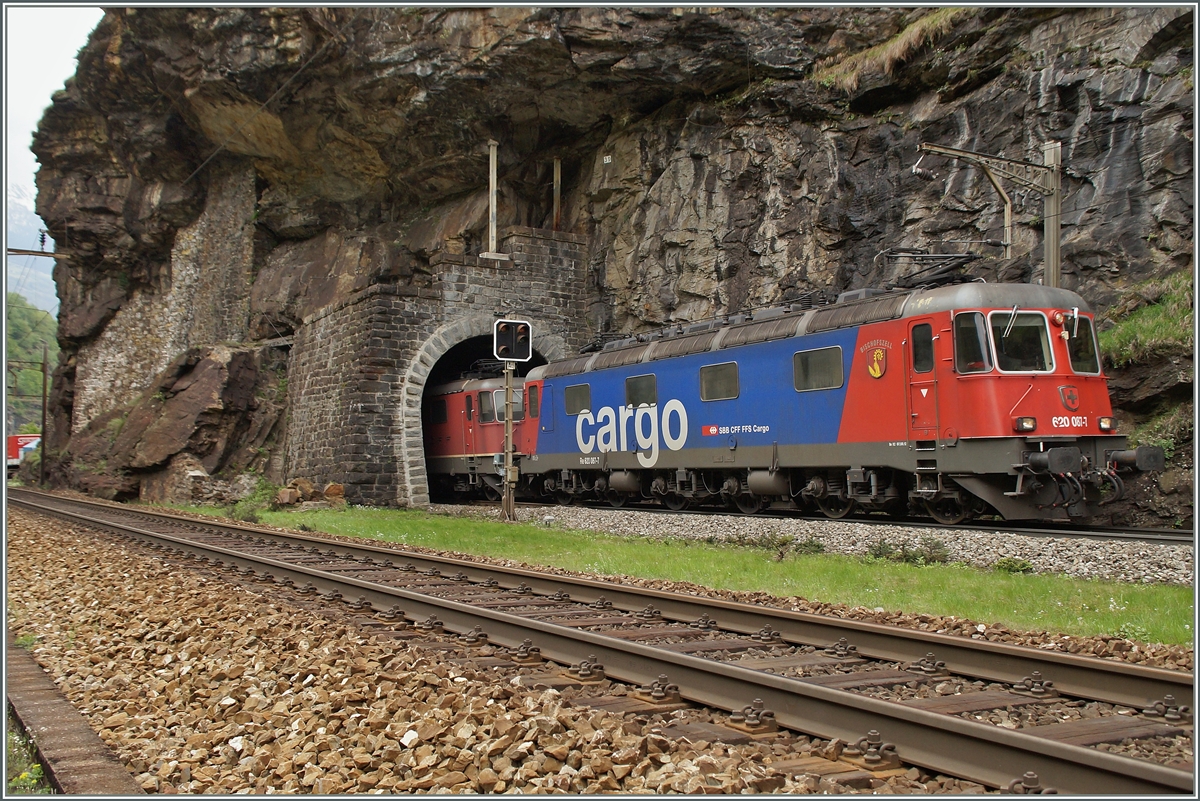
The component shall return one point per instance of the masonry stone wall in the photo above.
(205, 299)
(358, 369)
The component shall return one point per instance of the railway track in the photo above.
(872, 687)
(1168, 536)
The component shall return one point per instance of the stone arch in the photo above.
(1161, 26)
(413, 489)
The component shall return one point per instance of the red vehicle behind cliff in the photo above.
(18, 446)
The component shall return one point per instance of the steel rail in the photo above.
(1110, 681)
(986, 754)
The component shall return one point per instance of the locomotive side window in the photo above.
(578, 398)
(817, 369)
(641, 389)
(518, 405)
(1082, 347)
(719, 382)
(487, 412)
(1022, 342)
(971, 352)
(922, 348)
(470, 407)
(436, 411)
(533, 401)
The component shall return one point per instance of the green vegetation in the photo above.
(23, 775)
(25, 641)
(247, 509)
(885, 57)
(1169, 429)
(930, 551)
(810, 546)
(1154, 319)
(1009, 564)
(28, 328)
(1018, 600)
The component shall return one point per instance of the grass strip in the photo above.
(844, 73)
(1153, 613)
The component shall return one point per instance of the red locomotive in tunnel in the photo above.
(464, 432)
(952, 401)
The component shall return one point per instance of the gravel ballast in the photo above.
(200, 685)
(1139, 562)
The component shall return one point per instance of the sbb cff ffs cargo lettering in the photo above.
(953, 401)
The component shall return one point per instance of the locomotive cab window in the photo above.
(532, 403)
(1022, 342)
(487, 411)
(641, 390)
(971, 351)
(719, 382)
(1082, 346)
(518, 406)
(922, 348)
(578, 398)
(817, 369)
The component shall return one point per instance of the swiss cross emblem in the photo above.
(1070, 397)
(877, 363)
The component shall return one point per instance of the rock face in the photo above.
(211, 409)
(231, 175)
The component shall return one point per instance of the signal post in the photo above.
(512, 342)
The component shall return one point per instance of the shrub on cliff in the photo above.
(1153, 319)
(1172, 429)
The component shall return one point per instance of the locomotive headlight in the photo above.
(1058, 318)
(1024, 424)
(1108, 424)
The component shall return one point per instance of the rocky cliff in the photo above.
(220, 175)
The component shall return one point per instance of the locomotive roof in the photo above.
(473, 384)
(851, 309)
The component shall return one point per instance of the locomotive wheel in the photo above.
(835, 508)
(947, 511)
(675, 502)
(616, 499)
(563, 498)
(748, 504)
(490, 492)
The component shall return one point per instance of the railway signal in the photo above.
(512, 340)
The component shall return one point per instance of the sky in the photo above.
(40, 45)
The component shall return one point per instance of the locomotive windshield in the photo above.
(971, 351)
(1082, 346)
(1022, 342)
(518, 405)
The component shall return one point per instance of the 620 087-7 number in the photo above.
(1074, 421)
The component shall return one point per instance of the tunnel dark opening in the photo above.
(466, 357)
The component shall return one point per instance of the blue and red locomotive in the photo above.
(955, 401)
